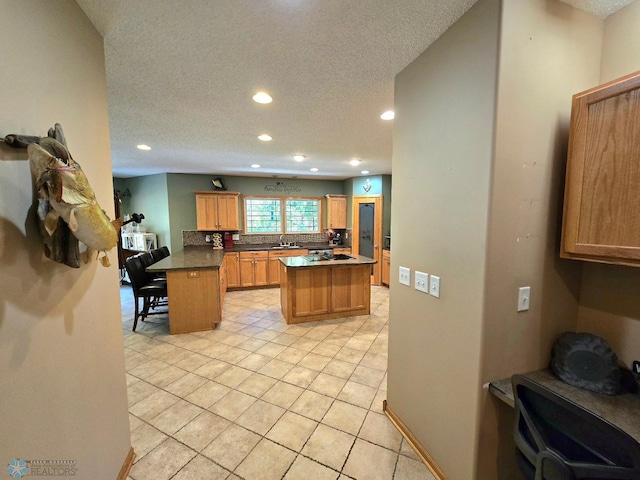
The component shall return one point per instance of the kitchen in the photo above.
(52, 314)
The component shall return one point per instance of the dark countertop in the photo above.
(623, 410)
(191, 258)
(302, 262)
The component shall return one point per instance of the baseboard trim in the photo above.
(126, 466)
(413, 441)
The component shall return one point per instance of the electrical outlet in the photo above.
(422, 282)
(405, 276)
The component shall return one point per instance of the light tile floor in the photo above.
(257, 399)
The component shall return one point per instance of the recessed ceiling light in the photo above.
(298, 158)
(255, 165)
(143, 147)
(365, 172)
(262, 97)
(264, 137)
(354, 162)
(388, 115)
(314, 169)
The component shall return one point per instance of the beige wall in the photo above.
(61, 346)
(548, 52)
(443, 142)
(609, 299)
(480, 207)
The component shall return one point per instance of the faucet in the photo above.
(282, 244)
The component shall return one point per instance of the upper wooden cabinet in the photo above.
(217, 211)
(336, 211)
(602, 191)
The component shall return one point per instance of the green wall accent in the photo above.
(149, 196)
(169, 204)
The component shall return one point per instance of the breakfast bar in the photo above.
(195, 287)
(316, 287)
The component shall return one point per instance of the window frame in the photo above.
(283, 214)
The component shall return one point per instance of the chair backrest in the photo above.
(136, 271)
(557, 439)
(159, 253)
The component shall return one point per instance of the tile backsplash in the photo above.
(194, 237)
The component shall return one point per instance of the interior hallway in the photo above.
(257, 399)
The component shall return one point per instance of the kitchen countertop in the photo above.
(303, 262)
(623, 410)
(191, 258)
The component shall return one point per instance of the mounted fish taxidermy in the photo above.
(66, 201)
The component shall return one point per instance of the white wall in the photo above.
(61, 346)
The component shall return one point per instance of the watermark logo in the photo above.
(17, 468)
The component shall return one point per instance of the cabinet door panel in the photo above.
(206, 215)
(602, 192)
(247, 277)
(261, 269)
(228, 212)
(232, 264)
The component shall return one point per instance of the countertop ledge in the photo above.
(623, 410)
(191, 258)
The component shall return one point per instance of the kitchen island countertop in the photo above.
(304, 261)
(191, 258)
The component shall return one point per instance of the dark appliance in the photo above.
(228, 240)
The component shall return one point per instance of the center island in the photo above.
(319, 288)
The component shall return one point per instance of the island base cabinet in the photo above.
(194, 300)
(320, 293)
(348, 288)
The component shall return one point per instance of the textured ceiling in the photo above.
(180, 78)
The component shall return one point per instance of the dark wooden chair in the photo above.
(150, 291)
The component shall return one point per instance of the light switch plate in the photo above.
(524, 293)
(434, 286)
(405, 276)
(422, 282)
(235, 236)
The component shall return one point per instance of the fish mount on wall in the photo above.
(67, 211)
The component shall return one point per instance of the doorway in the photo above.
(367, 231)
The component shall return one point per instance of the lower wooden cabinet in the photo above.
(232, 269)
(343, 250)
(254, 268)
(274, 262)
(386, 267)
(194, 300)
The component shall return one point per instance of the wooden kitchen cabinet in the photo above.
(254, 268)
(274, 262)
(217, 211)
(232, 269)
(602, 190)
(336, 211)
(343, 250)
(386, 267)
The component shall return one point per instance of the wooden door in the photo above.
(386, 267)
(232, 264)
(261, 271)
(376, 200)
(228, 212)
(206, 212)
(337, 211)
(602, 191)
(247, 275)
